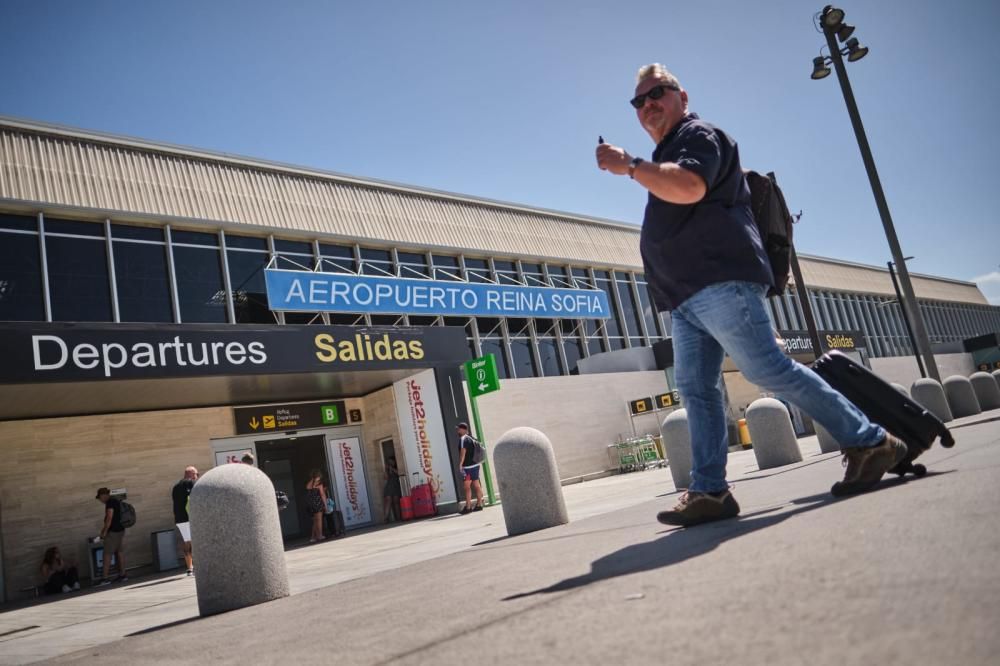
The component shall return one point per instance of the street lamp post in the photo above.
(906, 319)
(833, 26)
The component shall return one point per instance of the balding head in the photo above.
(191, 473)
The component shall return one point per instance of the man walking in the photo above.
(180, 494)
(470, 469)
(113, 536)
(705, 263)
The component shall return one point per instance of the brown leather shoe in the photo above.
(866, 465)
(694, 508)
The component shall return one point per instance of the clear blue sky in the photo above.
(505, 99)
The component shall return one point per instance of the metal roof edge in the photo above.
(67, 131)
(855, 264)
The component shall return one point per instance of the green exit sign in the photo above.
(481, 373)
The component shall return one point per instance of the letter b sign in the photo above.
(331, 415)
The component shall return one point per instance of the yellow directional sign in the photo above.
(254, 423)
(269, 421)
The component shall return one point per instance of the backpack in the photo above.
(478, 450)
(774, 222)
(127, 517)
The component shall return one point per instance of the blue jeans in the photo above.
(731, 318)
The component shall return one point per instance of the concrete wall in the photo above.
(581, 415)
(53, 467)
(903, 369)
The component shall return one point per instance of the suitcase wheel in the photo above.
(919, 470)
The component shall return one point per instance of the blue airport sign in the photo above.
(305, 291)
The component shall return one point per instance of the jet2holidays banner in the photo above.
(421, 427)
(304, 291)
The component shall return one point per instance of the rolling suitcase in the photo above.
(885, 406)
(423, 501)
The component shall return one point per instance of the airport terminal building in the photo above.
(164, 306)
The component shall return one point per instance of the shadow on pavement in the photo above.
(160, 627)
(679, 544)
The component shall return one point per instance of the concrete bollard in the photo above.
(774, 442)
(929, 394)
(900, 388)
(677, 442)
(236, 537)
(996, 376)
(529, 481)
(961, 397)
(827, 444)
(986, 389)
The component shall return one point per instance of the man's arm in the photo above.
(667, 181)
(461, 452)
(109, 513)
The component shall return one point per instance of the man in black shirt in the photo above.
(705, 263)
(180, 494)
(469, 468)
(112, 535)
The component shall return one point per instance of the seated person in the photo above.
(58, 576)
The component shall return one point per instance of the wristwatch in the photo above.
(636, 161)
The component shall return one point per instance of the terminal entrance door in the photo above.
(288, 462)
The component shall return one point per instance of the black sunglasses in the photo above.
(655, 92)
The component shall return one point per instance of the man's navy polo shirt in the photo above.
(687, 247)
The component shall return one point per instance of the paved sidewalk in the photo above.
(904, 574)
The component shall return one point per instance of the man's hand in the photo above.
(613, 159)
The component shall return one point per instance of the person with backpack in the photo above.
(706, 264)
(113, 536)
(180, 496)
(470, 456)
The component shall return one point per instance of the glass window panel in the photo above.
(384, 320)
(443, 261)
(199, 285)
(569, 326)
(194, 238)
(411, 258)
(294, 247)
(371, 254)
(596, 345)
(495, 346)
(522, 358)
(339, 265)
(477, 270)
(19, 222)
(616, 343)
(517, 326)
(246, 277)
(414, 272)
(549, 355)
(627, 299)
(649, 313)
(419, 320)
(21, 278)
(455, 321)
(342, 319)
(574, 352)
(488, 325)
(303, 318)
(56, 226)
(79, 288)
(246, 242)
(134, 233)
(294, 262)
(143, 282)
(613, 326)
(340, 251)
(504, 266)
